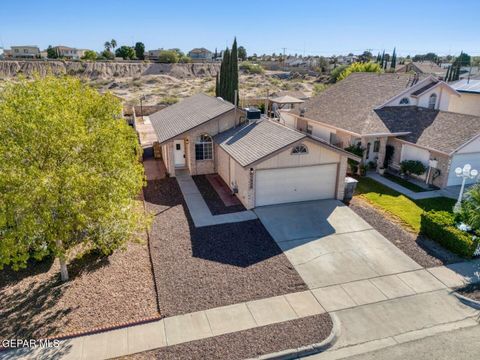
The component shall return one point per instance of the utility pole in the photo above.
(284, 49)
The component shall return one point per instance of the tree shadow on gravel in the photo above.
(159, 192)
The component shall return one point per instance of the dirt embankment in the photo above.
(104, 69)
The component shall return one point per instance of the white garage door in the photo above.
(459, 161)
(277, 186)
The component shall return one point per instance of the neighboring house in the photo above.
(423, 68)
(262, 161)
(418, 120)
(69, 53)
(469, 102)
(2, 55)
(25, 52)
(152, 54)
(200, 54)
(293, 93)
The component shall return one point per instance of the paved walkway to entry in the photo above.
(451, 192)
(198, 208)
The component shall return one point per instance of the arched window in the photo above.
(300, 150)
(204, 147)
(404, 101)
(432, 101)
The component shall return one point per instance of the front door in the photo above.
(179, 153)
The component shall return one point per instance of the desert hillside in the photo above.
(156, 83)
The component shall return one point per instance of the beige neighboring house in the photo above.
(24, 52)
(69, 53)
(428, 121)
(423, 68)
(263, 162)
(153, 54)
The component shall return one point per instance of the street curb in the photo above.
(312, 349)
(467, 301)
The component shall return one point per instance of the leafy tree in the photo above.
(107, 54)
(366, 56)
(242, 53)
(335, 74)
(125, 52)
(360, 67)
(470, 208)
(89, 55)
(168, 56)
(426, 57)
(107, 45)
(140, 50)
(51, 52)
(69, 173)
(185, 59)
(179, 52)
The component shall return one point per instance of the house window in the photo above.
(432, 101)
(376, 146)
(204, 148)
(299, 150)
(404, 101)
(309, 129)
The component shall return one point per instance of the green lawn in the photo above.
(398, 205)
(405, 183)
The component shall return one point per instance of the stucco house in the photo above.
(426, 120)
(263, 162)
(24, 52)
(200, 54)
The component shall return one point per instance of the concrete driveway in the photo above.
(329, 244)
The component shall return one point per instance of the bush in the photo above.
(440, 227)
(251, 68)
(168, 56)
(360, 67)
(356, 150)
(412, 167)
(318, 88)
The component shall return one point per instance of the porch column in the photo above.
(381, 153)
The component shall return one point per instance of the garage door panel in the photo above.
(277, 186)
(459, 161)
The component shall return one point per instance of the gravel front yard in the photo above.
(425, 252)
(214, 203)
(248, 343)
(102, 291)
(201, 268)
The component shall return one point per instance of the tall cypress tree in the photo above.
(382, 59)
(393, 63)
(217, 85)
(234, 72)
(225, 75)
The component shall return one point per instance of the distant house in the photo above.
(152, 54)
(68, 52)
(25, 52)
(424, 68)
(1, 53)
(200, 54)
(429, 120)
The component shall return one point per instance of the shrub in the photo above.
(251, 68)
(360, 67)
(168, 56)
(356, 150)
(470, 208)
(412, 167)
(318, 88)
(440, 227)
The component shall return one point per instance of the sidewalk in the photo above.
(179, 329)
(411, 194)
(199, 210)
(368, 310)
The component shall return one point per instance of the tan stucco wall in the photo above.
(317, 154)
(465, 104)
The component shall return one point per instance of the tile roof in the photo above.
(252, 142)
(439, 130)
(350, 103)
(187, 114)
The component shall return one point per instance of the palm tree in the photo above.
(107, 45)
(114, 44)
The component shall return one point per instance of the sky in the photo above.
(315, 27)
